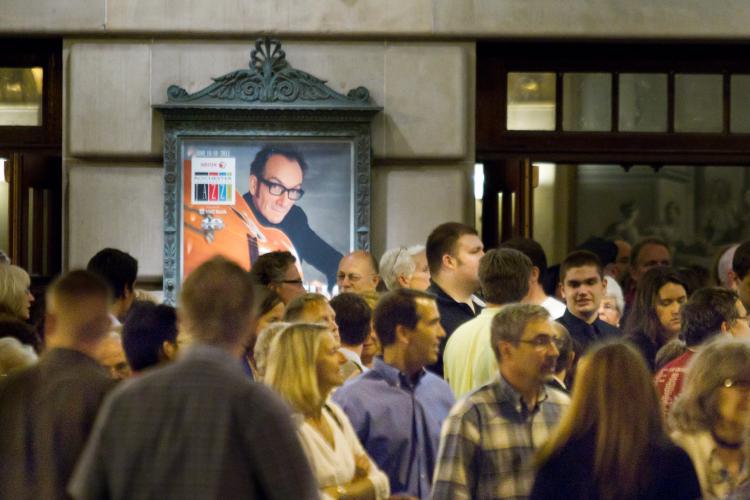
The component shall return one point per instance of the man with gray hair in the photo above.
(404, 267)
(198, 428)
(504, 276)
(489, 440)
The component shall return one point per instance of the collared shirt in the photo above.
(196, 428)
(584, 334)
(452, 314)
(353, 365)
(489, 439)
(469, 360)
(398, 422)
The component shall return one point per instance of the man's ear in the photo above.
(50, 325)
(168, 350)
(449, 261)
(504, 348)
(724, 327)
(402, 334)
(534, 274)
(253, 188)
(375, 280)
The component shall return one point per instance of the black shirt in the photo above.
(452, 315)
(584, 335)
(569, 474)
(310, 247)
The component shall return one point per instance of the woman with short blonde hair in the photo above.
(304, 366)
(611, 442)
(15, 297)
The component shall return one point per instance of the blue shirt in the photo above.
(398, 422)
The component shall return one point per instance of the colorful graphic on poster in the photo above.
(213, 181)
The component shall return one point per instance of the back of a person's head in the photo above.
(668, 353)
(69, 298)
(291, 365)
(531, 249)
(703, 315)
(607, 375)
(580, 258)
(741, 260)
(564, 348)
(262, 347)
(144, 332)
(353, 316)
(271, 267)
(14, 283)
(606, 250)
(442, 240)
(118, 268)
(504, 275)
(296, 308)
(216, 302)
(397, 307)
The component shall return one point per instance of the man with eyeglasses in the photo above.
(358, 273)
(276, 177)
(490, 437)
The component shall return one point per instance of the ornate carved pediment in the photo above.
(270, 80)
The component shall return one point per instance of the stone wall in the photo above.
(422, 141)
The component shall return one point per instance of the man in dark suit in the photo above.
(583, 286)
(198, 428)
(48, 410)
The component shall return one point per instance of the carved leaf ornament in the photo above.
(269, 79)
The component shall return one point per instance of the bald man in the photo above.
(358, 272)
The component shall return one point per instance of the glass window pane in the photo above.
(587, 101)
(643, 102)
(531, 101)
(740, 102)
(698, 103)
(21, 96)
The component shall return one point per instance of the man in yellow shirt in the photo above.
(468, 359)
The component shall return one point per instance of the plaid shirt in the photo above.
(489, 440)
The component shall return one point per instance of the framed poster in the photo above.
(266, 159)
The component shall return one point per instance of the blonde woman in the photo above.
(304, 366)
(15, 297)
(611, 443)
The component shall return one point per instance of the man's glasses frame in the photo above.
(277, 189)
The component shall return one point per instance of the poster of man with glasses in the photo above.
(297, 198)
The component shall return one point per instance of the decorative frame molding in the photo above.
(270, 100)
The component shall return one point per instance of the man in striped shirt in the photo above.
(490, 437)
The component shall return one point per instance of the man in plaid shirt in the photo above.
(489, 439)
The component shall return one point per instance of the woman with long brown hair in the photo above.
(655, 317)
(611, 442)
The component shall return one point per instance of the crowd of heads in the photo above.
(305, 345)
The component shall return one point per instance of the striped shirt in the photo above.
(488, 442)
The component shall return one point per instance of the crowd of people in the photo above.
(444, 371)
